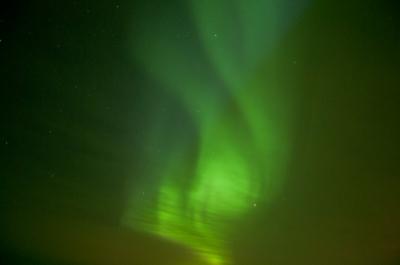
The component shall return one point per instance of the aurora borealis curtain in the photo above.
(200, 132)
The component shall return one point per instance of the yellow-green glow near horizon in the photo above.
(230, 90)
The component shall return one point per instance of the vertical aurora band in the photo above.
(225, 80)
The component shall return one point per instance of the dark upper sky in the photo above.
(76, 108)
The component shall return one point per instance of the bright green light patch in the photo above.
(224, 179)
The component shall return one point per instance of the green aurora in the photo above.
(153, 132)
(242, 139)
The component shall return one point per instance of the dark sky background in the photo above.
(74, 113)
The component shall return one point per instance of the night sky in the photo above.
(199, 132)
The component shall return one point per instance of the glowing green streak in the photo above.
(242, 123)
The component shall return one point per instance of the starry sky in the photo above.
(187, 132)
